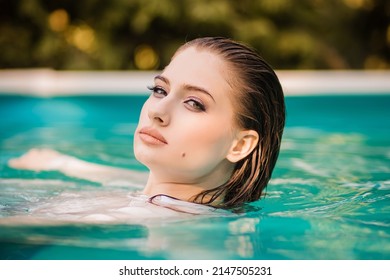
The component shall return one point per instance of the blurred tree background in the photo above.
(143, 34)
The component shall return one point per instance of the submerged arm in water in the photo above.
(50, 160)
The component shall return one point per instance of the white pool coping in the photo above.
(47, 82)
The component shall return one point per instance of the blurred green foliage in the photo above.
(143, 34)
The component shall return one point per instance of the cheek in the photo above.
(206, 145)
(137, 146)
(144, 112)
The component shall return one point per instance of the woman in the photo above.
(210, 132)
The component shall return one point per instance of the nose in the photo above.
(159, 114)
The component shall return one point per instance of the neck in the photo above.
(182, 191)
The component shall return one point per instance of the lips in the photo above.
(152, 136)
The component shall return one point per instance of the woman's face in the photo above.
(186, 127)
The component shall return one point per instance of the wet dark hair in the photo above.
(258, 97)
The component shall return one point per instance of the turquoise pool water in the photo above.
(329, 197)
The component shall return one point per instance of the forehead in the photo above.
(199, 67)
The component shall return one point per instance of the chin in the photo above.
(148, 158)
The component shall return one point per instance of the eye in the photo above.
(158, 91)
(195, 105)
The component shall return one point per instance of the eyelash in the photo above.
(157, 90)
(197, 105)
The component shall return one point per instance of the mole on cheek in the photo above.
(183, 155)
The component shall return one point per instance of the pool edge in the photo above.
(48, 82)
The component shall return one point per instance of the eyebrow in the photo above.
(186, 86)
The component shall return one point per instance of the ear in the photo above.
(243, 145)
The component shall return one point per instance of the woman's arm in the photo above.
(50, 160)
